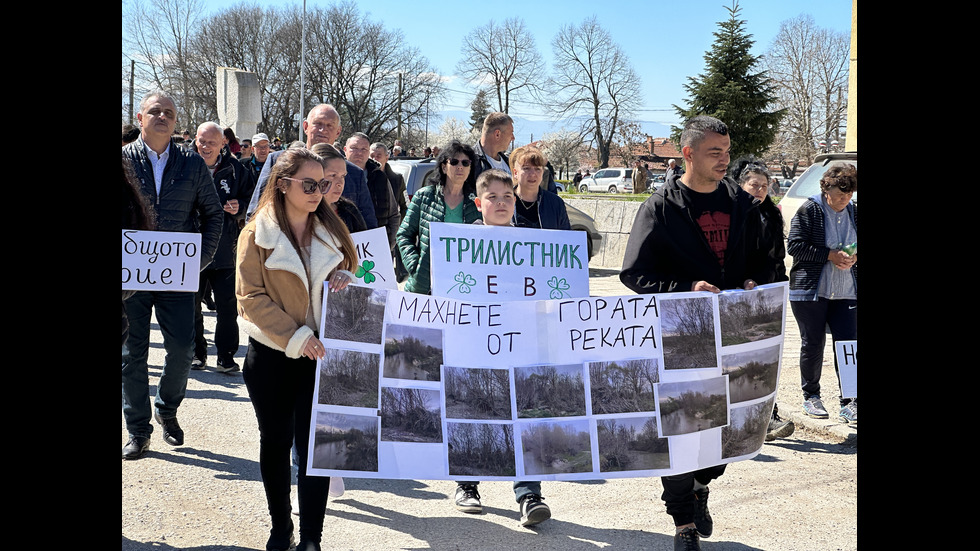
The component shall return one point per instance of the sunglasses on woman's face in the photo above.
(310, 185)
(454, 162)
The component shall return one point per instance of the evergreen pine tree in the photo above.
(480, 108)
(730, 91)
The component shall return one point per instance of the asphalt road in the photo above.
(799, 493)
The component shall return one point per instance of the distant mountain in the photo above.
(528, 130)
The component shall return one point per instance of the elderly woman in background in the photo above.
(536, 207)
(754, 178)
(823, 280)
(448, 198)
(293, 244)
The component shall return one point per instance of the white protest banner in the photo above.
(376, 267)
(425, 387)
(847, 364)
(477, 262)
(160, 261)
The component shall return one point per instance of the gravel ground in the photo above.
(799, 493)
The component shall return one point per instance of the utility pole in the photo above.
(398, 134)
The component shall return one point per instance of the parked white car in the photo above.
(613, 180)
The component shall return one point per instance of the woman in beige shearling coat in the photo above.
(293, 244)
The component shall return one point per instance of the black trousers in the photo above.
(678, 493)
(226, 309)
(281, 390)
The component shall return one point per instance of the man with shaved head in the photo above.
(233, 184)
(322, 125)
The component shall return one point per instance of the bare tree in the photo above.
(356, 64)
(630, 135)
(504, 57)
(263, 41)
(809, 65)
(158, 35)
(563, 149)
(594, 80)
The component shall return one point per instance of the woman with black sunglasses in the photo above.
(292, 244)
(448, 198)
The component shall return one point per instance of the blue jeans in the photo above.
(175, 315)
(813, 317)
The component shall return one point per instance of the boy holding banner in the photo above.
(496, 200)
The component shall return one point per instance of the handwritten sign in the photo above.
(160, 261)
(847, 363)
(376, 268)
(477, 262)
(428, 387)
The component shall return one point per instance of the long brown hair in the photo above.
(287, 165)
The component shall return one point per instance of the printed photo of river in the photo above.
(751, 316)
(692, 406)
(631, 444)
(412, 353)
(688, 329)
(752, 373)
(747, 431)
(556, 447)
(346, 442)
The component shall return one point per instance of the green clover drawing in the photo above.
(465, 282)
(364, 272)
(558, 287)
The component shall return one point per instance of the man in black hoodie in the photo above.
(698, 232)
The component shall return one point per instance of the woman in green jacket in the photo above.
(449, 198)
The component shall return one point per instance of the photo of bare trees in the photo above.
(481, 449)
(623, 386)
(345, 442)
(355, 314)
(410, 415)
(693, 406)
(752, 373)
(552, 447)
(349, 378)
(549, 391)
(747, 431)
(750, 317)
(631, 444)
(688, 331)
(476, 393)
(413, 353)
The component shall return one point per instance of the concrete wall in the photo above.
(239, 101)
(614, 219)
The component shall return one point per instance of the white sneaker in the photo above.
(336, 486)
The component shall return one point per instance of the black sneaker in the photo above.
(172, 433)
(136, 447)
(199, 363)
(533, 510)
(702, 518)
(779, 428)
(468, 499)
(226, 365)
(687, 540)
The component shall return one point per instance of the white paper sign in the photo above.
(426, 387)
(847, 363)
(477, 262)
(376, 268)
(160, 261)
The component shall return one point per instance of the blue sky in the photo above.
(665, 40)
